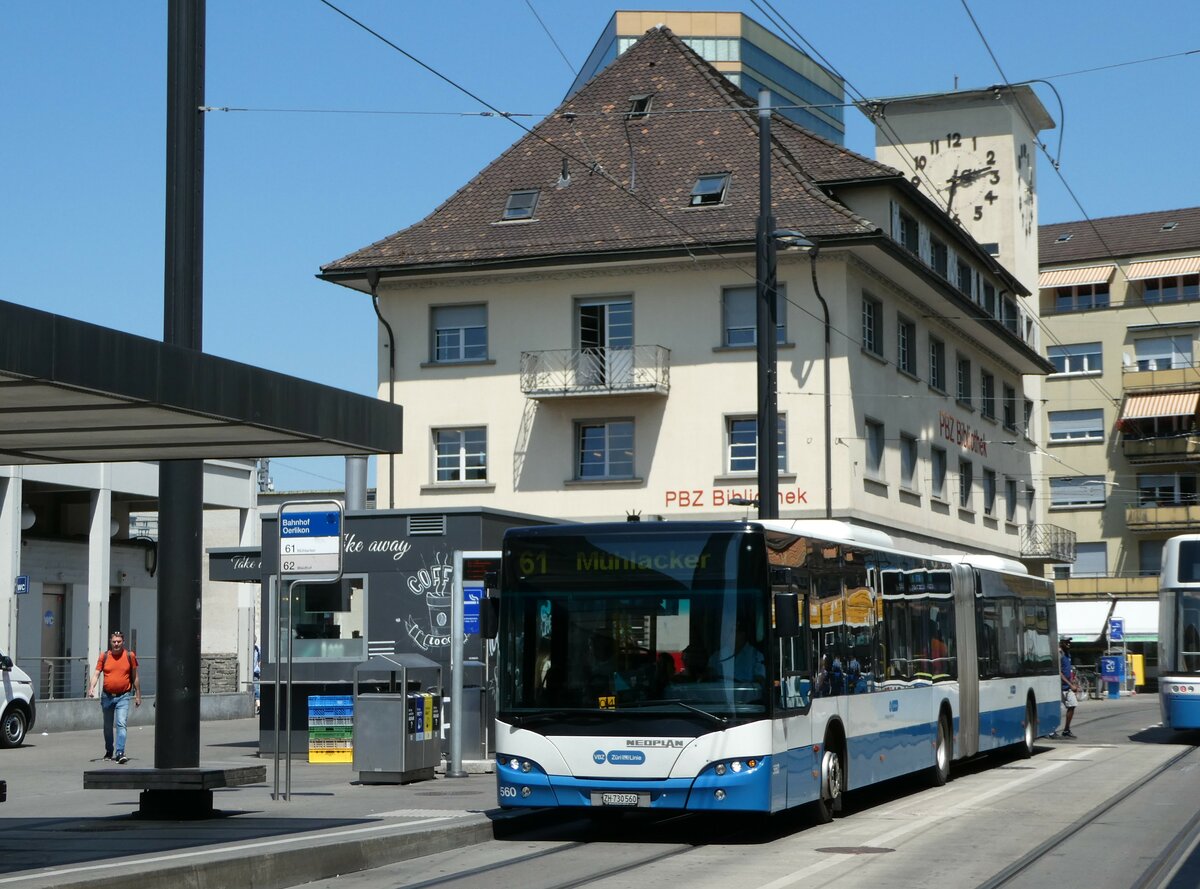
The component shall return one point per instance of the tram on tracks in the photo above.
(1179, 632)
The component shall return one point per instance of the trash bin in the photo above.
(397, 719)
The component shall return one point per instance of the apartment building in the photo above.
(572, 332)
(1119, 300)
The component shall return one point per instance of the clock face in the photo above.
(962, 173)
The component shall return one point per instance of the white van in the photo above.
(16, 703)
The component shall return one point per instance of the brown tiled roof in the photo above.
(631, 180)
(1120, 236)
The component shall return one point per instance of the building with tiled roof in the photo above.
(1119, 300)
(572, 332)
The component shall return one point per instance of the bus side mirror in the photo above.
(489, 617)
(787, 614)
(5, 662)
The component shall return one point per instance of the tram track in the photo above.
(1162, 863)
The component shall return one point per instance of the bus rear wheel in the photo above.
(943, 752)
(829, 803)
(1025, 748)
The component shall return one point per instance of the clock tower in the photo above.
(974, 153)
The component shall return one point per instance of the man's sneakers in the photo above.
(1067, 733)
(107, 757)
(121, 759)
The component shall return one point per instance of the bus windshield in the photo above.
(645, 621)
(1188, 625)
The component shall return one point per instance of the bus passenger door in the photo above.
(967, 742)
(792, 783)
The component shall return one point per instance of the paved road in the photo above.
(1113, 809)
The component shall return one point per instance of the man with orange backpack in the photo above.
(120, 671)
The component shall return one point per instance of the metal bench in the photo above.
(174, 793)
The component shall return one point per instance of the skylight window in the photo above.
(710, 190)
(1062, 239)
(521, 204)
(639, 107)
(1169, 226)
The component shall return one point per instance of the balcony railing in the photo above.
(1134, 378)
(1182, 448)
(1048, 543)
(1170, 517)
(1141, 586)
(564, 373)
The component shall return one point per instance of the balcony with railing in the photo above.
(1166, 516)
(1121, 586)
(1183, 448)
(1047, 543)
(574, 373)
(1143, 376)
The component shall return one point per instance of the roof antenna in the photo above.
(564, 178)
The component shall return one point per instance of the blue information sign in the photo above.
(21, 587)
(1116, 629)
(1112, 669)
(310, 524)
(472, 593)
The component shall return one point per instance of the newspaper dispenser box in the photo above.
(397, 719)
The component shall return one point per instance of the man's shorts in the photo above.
(1069, 699)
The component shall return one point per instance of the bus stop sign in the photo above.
(1116, 629)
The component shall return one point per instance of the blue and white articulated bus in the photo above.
(1179, 632)
(755, 666)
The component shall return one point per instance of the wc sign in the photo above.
(21, 587)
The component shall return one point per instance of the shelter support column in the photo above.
(91, 637)
(10, 559)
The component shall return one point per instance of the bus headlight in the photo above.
(720, 768)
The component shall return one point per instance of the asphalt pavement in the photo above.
(53, 833)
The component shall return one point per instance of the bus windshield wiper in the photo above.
(544, 715)
(718, 720)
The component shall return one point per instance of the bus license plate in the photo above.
(619, 799)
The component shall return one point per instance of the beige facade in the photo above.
(686, 387)
(1122, 424)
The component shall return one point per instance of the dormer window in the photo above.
(521, 204)
(1062, 239)
(639, 107)
(710, 190)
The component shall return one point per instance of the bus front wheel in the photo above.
(943, 752)
(1025, 748)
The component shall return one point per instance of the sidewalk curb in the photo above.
(268, 870)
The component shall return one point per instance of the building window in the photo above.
(966, 483)
(1170, 489)
(963, 278)
(908, 462)
(1078, 358)
(989, 492)
(910, 236)
(742, 436)
(1177, 288)
(1077, 490)
(937, 471)
(939, 257)
(875, 440)
(709, 190)
(1010, 500)
(1163, 352)
(872, 325)
(989, 300)
(460, 333)
(987, 394)
(639, 107)
(604, 449)
(1010, 407)
(963, 390)
(1081, 297)
(1150, 557)
(1085, 425)
(1028, 407)
(461, 454)
(739, 307)
(937, 364)
(521, 204)
(906, 345)
(1091, 560)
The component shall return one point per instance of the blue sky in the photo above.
(83, 111)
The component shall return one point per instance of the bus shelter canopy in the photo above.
(73, 392)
